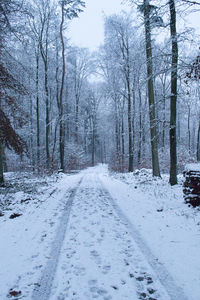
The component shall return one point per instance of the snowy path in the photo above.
(79, 243)
(100, 257)
(43, 289)
(162, 273)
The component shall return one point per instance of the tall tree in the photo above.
(146, 7)
(69, 9)
(173, 97)
(119, 36)
(61, 136)
(45, 14)
(8, 135)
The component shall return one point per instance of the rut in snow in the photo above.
(42, 290)
(162, 273)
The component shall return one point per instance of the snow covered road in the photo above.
(91, 250)
(100, 258)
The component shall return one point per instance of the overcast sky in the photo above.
(87, 30)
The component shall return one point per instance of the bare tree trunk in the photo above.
(117, 136)
(178, 126)
(164, 123)
(123, 144)
(140, 127)
(93, 143)
(47, 116)
(130, 164)
(198, 143)
(37, 108)
(44, 55)
(5, 166)
(153, 125)
(189, 133)
(133, 121)
(54, 140)
(164, 112)
(1, 154)
(76, 118)
(31, 134)
(173, 98)
(1, 161)
(61, 138)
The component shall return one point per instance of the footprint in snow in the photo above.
(99, 241)
(106, 269)
(79, 271)
(92, 282)
(102, 231)
(96, 256)
(96, 291)
(87, 244)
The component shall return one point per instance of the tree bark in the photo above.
(61, 138)
(1, 161)
(198, 143)
(133, 121)
(189, 132)
(140, 127)
(153, 125)
(37, 109)
(76, 117)
(130, 165)
(44, 55)
(123, 144)
(117, 134)
(31, 134)
(47, 116)
(173, 98)
(93, 145)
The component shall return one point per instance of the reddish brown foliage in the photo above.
(194, 72)
(9, 137)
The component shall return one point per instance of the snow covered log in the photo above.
(191, 185)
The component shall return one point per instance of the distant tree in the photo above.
(119, 46)
(80, 65)
(69, 9)
(194, 75)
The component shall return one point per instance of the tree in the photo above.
(81, 65)
(8, 135)
(147, 8)
(194, 75)
(69, 9)
(119, 40)
(45, 14)
(173, 97)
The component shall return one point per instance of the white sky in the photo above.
(87, 30)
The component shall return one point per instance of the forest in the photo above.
(132, 104)
(100, 152)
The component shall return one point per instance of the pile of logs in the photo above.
(191, 185)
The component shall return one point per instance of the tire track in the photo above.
(165, 278)
(42, 291)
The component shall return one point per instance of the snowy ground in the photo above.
(96, 235)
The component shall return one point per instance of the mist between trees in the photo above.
(143, 111)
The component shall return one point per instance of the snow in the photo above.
(26, 240)
(170, 228)
(192, 167)
(100, 235)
